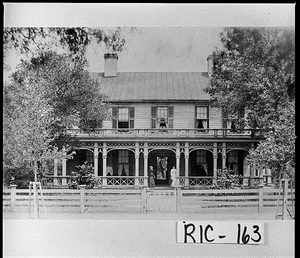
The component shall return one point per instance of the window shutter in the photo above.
(131, 117)
(153, 117)
(196, 124)
(115, 117)
(170, 116)
(207, 117)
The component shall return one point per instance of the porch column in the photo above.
(224, 155)
(145, 164)
(186, 164)
(177, 162)
(137, 157)
(96, 159)
(64, 173)
(104, 162)
(215, 157)
(252, 171)
(55, 181)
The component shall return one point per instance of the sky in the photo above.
(169, 37)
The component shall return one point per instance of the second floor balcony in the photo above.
(168, 133)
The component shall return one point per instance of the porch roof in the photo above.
(154, 86)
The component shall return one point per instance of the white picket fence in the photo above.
(142, 200)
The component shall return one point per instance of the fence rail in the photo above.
(142, 200)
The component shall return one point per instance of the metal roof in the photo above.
(154, 86)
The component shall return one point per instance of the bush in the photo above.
(226, 179)
(20, 176)
(84, 176)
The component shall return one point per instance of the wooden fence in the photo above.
(144, 200)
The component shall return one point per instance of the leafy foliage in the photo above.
(84, 176)
(255, 74)
(67, 87)
(20, 176)
(29, 40)
(226, 179)
(278, 151)
(27, 118)
(46, 96)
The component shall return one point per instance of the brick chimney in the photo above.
(110, 65)
(210, 63)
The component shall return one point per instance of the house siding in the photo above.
(184, 116)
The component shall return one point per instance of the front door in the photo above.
(162, 162)
(162, 173)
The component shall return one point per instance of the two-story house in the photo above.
(160, 119)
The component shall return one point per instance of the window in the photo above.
(90, 157)
(123, 117)
(231, 122)
(233, 161)
(162, 117)
(202, 121)
(201, 161)
(123, 163)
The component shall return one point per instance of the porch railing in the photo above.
(122, 181)
(166, 132)
(101, 181)
(142, 181)
(207, 181)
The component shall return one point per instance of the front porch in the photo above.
(119, 164)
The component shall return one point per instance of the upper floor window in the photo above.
(162, 117)
(123, 117)
(230, 122)
(201, 121)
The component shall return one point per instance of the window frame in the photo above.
(155, 119)
(116, 115)
(123, 161)
(202, 120)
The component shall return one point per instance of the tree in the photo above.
(278, 150)
(254, 74)
(75, 98)
(46, 96)
(26, 135)
(31, 40)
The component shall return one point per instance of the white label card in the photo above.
(220, 232)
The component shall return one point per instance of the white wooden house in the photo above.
(160, 119)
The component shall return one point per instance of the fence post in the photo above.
(144, 200)
(260, 198)
(178, 199)
(13, 197)
(82, 198)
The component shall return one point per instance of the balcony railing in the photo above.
(166, 133)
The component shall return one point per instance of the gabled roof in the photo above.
(154, 86)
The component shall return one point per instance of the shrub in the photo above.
(84, 176)
(226, 179)
(20, 176)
